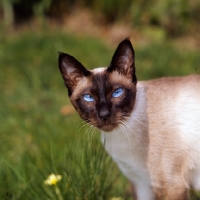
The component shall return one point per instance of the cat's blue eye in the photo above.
(118, 92)
(88, 98)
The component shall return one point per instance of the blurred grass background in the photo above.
(40, 133)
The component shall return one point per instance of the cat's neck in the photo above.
(138, 118)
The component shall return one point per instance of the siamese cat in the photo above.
(151, 129)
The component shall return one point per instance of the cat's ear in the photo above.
(72, 71)
(123, 60)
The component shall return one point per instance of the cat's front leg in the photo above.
(142, 192)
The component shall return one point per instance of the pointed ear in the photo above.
(123, 60)
(72, 71)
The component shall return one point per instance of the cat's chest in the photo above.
(127, 151)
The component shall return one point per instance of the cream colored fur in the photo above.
(158, 146)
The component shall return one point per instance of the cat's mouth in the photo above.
(104, 125)
(107, 127)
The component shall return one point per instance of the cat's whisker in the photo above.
(82, 125)
(81, 128)
(121, 127)
(87, 137)
(125, 133)
(90, 131)
(122, 121)
(93, 128)
(125, 123)
(86, 133)
(82, 122)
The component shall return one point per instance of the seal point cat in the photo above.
(151, 128)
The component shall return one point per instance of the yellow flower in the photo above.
(52, 179)
(116, 198)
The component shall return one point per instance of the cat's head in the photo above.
(103, 97)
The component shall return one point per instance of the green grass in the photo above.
(37, 140)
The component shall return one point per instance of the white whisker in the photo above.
(90, 131)
(87, 132)
(125, 133)
(125, 123)
(82, 124)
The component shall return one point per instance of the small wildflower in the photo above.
(116, 198)
(52, 179)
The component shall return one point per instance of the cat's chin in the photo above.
(107, 128)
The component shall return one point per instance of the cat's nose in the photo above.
(104, 113)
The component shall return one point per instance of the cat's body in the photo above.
(159, 145)
(151, 129)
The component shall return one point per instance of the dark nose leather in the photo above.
(104, 112)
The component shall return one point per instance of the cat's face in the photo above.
(103, 97)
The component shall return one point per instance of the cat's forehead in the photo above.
(97, 79)
(98, 70)
(112, 77)
(115, 76)
(100, 79)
